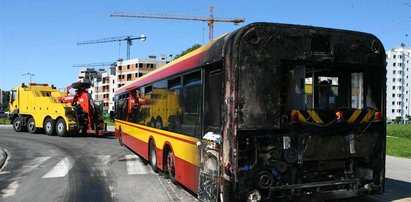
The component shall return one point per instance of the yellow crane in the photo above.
(210, 20)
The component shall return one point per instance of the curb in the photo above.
(3, 157)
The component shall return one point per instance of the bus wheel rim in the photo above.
(170, 163)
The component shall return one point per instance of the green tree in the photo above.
(192, 48)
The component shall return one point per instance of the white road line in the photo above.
(104, 159)
(10, 190)
(36, 162)
(61, 169)
(134, 165)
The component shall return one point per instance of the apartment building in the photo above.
(398, 82)
(104, 83)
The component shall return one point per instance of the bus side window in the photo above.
(213, 98)
(192, 104)
(174, 108)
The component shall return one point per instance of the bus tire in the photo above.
(61, 129)
(120, 138)
(17, 125)
(31, 126)
(171, 168)
(153, 156)
(49, 127)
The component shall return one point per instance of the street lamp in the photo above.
(28, 74)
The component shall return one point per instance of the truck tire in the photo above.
(17, 125)
(49, 127)
(80, 85)
(61, 129)
(31, 126)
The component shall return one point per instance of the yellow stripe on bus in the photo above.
(184, 147)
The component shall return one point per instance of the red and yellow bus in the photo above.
(269, 111)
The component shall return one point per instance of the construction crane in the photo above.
(129, 40)
(97, 64)
(210, 20)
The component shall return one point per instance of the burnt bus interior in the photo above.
(310, 122)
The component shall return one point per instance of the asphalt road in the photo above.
(51, 168)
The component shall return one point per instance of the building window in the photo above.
(393, 110)
(393, 103)
(140, 65)
(393, 87)
(393, 72)
(393, 79)
(400, 72)
(393, 64)
(399, 64)
(400, 56)
(136, 75)
(393, 95)
(399, 87)
(394, 56)
(399, 110)
(119, 68)
(399, 95)
(398, 103)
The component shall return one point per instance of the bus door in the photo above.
(211, 142)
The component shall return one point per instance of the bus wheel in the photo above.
(31, 126)
(120, 138)
(153, 156)
(17, 124)
(49, 126)
(61, 128)
(171, 169)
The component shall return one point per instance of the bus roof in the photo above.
(184, 63)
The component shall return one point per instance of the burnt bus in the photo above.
(267, 112)
(300, 114)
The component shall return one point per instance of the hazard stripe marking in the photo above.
(354, 116)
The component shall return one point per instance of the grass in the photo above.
(4, 121)
(399, 140)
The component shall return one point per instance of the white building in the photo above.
(398, 82)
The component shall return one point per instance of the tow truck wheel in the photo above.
(17, 125)
(31, 126)
(153, 156)
(61, 128)
(49, 126)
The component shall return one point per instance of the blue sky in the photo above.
(40, 36)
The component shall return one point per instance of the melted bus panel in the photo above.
(309, 105)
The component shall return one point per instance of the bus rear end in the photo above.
(309, 122)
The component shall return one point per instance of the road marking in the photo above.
(36, 162)
(61, 169)
(134, 165)
(103, 159)
(10, 190)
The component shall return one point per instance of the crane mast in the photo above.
(210, 20)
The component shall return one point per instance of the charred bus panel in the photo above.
(282, 138)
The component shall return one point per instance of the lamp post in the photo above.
(28, 74)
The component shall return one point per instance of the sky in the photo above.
(40, 36)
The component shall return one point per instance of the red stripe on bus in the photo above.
(163, 134)
(186, 173)
(184, 65)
